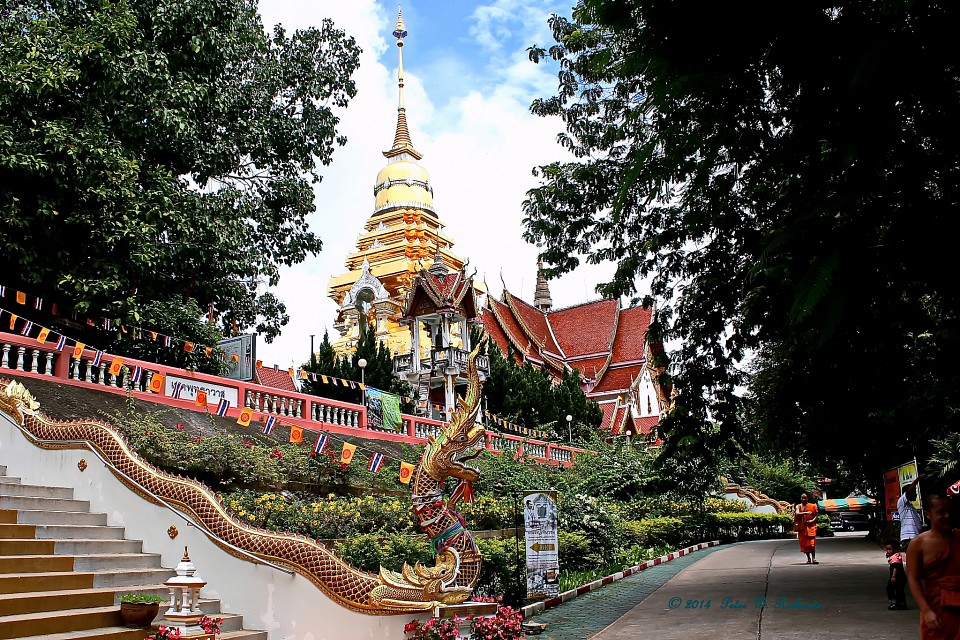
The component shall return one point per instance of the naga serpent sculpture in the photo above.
(416, 588)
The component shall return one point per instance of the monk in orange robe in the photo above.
(805, 524)
(933, 571)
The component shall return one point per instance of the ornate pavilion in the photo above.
(606, 343)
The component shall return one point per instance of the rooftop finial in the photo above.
(401, 140)
(541, 297)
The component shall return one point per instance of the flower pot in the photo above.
(138, 615)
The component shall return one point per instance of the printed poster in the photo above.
(383, 410)
(543, 549)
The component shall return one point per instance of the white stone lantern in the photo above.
(184, 612)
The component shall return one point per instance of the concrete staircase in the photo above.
(63, 570)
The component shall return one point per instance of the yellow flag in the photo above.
(13, 320)
(246, 415)
(156, 383)
(201, 400)
(296, 435)
(78, 350)
(21, 297)
(347, 456)
(208, 350)
(115, 366)
(406, 472)
(42, 336)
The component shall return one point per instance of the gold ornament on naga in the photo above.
(418, 588)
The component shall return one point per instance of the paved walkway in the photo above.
(756, 591)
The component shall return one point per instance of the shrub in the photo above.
(651, 532)
(730, 527)
(500, 570)
(574, 550)
(371, 551)
(824, 530)
(488, 512)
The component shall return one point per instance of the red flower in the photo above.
(181, 426)
(410, 626)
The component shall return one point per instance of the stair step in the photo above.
(34, 491)
(81, 546)
(17, 531)
(44, 504)
(124, 578)
(8, 516)
(35, 564)
(49, 581)
(28, 547)
(9, 480)
(103, 633)
(231, 621)
(50, 601)
(77, 531)
(32, 516)
(115, 561)
(3, 469)
(26, 625)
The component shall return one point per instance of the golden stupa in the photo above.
(403, 233)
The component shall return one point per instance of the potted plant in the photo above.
(139, 609)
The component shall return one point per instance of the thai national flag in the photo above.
(27, 328)
(321, 443)
(137, 374)
(375, 462)
(222, 407)
(97, 358)
(62, 342)
(167, 341)
(177, 389)
(269, 425)
(38, 304)
(3, 290)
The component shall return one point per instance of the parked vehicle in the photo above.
(849, 521)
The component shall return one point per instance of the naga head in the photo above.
(441, 459)
(17, 401)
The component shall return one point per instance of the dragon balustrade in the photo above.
(416, 588)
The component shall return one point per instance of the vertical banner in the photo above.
(907, 473)
(891, 493)
(383, 410)
(543, 549)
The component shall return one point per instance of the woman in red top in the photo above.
(933, 569)
(805, 524)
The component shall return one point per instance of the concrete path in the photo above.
(755, 591)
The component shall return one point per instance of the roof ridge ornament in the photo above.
(401, 139)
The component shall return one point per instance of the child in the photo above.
(897, 583)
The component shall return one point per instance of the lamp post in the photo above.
(362, 363)
(629, 433)
(569, 429)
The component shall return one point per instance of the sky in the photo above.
(468, 89)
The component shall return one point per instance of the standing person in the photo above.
(933, 569)
(910, 520)
(805, 523)
(896, 585)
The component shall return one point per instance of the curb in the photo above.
(532, 609)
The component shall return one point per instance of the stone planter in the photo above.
(138, 616)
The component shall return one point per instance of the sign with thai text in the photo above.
(188, 391)
(540, 534)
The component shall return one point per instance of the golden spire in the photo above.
(401, 140)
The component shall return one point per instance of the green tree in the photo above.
(162, 150)
(782, 198)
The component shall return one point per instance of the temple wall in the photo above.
(288, 607)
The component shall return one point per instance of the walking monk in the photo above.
(933, 569)
(805, 524)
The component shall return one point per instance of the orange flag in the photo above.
(208, 351)
(259, 364)
(347, 456)
(406, 472)
(188, 347)
(42, 336)
(236, 358)
(296, 435)
(115, 365)
(153, 335)
(246, 415)
(21, 297)
(156, 383)
(290, 371)
(13, 320)
(78, 350)
(201, 400)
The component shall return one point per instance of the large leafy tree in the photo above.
(162, 150)
(783, 179)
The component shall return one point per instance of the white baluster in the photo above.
(34, 362)
(6, 354)
(103, 374)
(298, 413)
(283, 406)
(75, 368)
(20, 351)
(48, 370)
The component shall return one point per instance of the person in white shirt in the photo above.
(910, 519)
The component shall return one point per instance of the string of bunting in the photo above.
(506, 424)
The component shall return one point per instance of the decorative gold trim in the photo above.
(418, 588)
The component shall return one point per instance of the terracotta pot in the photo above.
(138, 615)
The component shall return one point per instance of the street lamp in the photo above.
(629, 433)
(569, 430)
(362, 363)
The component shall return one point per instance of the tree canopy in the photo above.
(781, 177)
(162, 150)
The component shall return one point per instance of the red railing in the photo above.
(26, 357)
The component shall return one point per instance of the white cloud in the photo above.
(479, 149)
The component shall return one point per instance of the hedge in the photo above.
(737, 527)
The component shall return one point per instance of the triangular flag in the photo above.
(246, 415)
(42, 336)
(519, 453)
(115, 365)
(347, 455)
(296, 435)
(156, 382)
(406, 472)
(201, 400)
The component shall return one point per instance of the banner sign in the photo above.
(189, 389)
(905, 474)
(543, 549)
(383, 410)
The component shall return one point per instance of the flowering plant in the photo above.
(433, 629)
(506, 625)
(211, 625)
(165, 633)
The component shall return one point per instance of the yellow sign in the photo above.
(540, 546)
(907, 474)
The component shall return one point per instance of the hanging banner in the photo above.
(383, 410)
(543, 549)
(893, 481)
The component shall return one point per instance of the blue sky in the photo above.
(469, 85)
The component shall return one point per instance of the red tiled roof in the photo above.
(534, 323)
(617, 379)
(631, 335)
(276, 379)
(643, 426)
(616, 426)
(590, 368)
(584, 329)
(607, 409)
(492, 327)
(509, 325)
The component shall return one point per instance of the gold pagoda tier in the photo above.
(401, 236)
